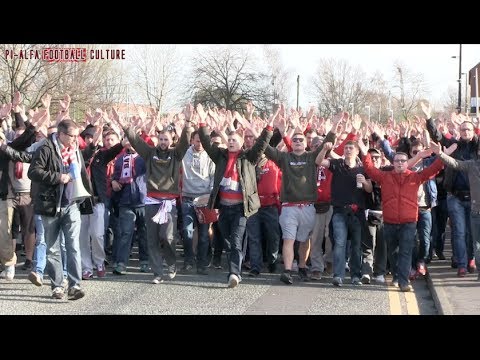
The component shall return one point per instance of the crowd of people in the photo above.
(296, 194)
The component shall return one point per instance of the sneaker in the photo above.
(421, 269)
(217, 262)
(101, 271)
(8, 273)
(233, 281)
(462, 272)
(286, 278)
(356, 281)
(379, 279)
(441, 256)
(58, 293)
(35, 279)
(187, 268)
(157, 280)
(253, 273)
(395, 283)
(316, 275)
(406, 288)
(144, 268)
(272, 268)
(87, 275)
(28, 264)
(202, 271)
(75, 293)
(365, 279)
(471, 266)
(337, 281)
(303, 275)
(120, 269)
(172, 271)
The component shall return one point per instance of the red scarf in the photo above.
(231, 169)
(68, 155)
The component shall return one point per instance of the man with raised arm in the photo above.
(298, 194)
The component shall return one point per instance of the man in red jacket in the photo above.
(400, 209)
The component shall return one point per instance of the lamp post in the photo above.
(368, 107)
(459, 103)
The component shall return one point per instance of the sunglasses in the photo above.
(299, 140)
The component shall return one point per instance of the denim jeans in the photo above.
(459, 212)
(380, 249)
(439, 223)
(347, 225)
(400, 243)
(189, 220)
(232, 223)
(128, 219)
(475, 226)
(263, 224)
(424, 230)
(40, 254)
(68, 221)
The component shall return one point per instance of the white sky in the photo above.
(433, 61)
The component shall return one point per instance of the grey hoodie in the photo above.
(198, 172)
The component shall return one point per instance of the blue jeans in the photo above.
(232, 223)
(424, 230)
(189, 218)
(40, 254)
(128, 219)
(459, 212)
(401, 240)
(67, 220)
(439, 223)
(265, 222)
(475, 226)
(347, 225)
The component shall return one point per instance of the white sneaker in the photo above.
(379, 279)
(8, 273)
(157, 280)
(233, 281)
(365, 279)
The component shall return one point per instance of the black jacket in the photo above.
(46, 168)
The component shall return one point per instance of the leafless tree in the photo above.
(336, 84)
(225, 77)
(156, 74)
(409, 88)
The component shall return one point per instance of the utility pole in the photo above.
(459, 106)
(298, 89)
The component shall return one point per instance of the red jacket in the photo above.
(399, 191)
(269, 184)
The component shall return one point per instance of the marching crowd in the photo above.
(322, 196)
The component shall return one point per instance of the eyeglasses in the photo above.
(299, 140)
(400, 160)
(69, 135)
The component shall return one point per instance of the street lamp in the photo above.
(459, 103)
(368, 107)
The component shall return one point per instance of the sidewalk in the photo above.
(453, 295)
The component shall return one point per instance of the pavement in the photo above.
(453, 295)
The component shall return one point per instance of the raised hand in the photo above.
(250, 110)
(201, 112)
(65, 103)
(427, 110)
(46, 100)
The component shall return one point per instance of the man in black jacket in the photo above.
(51, 167)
